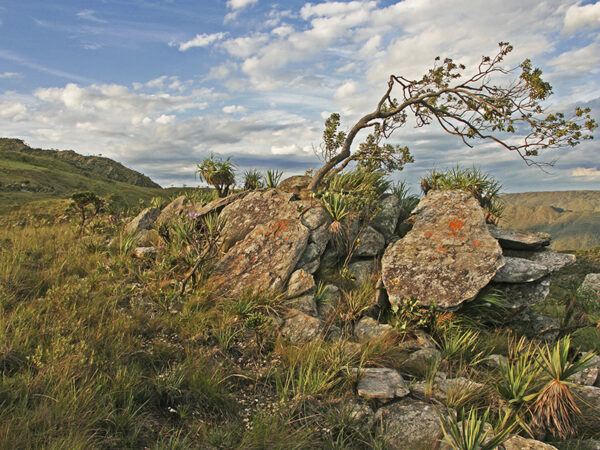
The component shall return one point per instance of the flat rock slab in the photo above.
(368, 328)
(142, 221)
(410, 424)
(264, 259)
(520, 240)
(552, 260)
(218, 204)
(380, 383)
(520, 295)
(300, 283)
(520, 270)
(447, 257)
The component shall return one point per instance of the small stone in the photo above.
(520, 443)
(315, 217)
(520, 270)
(305, 303)
(418, 361)
(370, 242)
(301, 328)
(145, 252)
(494, 361)
(591, 284)
(361, 270)
(520, 240)
(589, 376)
(300, 283)
(311, 267)
(380, 383)
(368, 328)
(410, 424)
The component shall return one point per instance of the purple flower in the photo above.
(194, 215)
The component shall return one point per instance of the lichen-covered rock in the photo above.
(380, 383)
(320, 237)
(300, 328)
(314, 216)
(589, 376)
(368, 328)
(264, 259)
(386, 220)
(591, 284)
(410, 424)
(176, 207)
(294, 184)
(443, 388)
(520, 270)
(142, 221)
(447, 257)
(258, 208)
(370, 242)
(305, 303)
(218, 204)
(300, 283)
(520, 240)
(552, 260)
(520, 443)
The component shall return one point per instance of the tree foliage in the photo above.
(82, 200)
(475, 108)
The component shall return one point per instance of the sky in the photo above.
(159, 85)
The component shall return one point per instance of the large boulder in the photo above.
(447, 257)
(176, 207)
(143, 221)
(370, 242)
(386, 220)
(264, 259)
(295, 184)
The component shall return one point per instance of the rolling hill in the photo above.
(31, 177)
(572, 217)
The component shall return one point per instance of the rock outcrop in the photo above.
(447, 257)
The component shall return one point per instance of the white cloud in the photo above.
(285, 149)
(9, 75)
(578, 61)
(201, 40)
(348, 88)
(283, 30)
(233, 109)
(584, 172)
(580, 17)
(14, 111)
(243, 47)
(88, 14)
(239, 4)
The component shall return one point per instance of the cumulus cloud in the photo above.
(586, 172)
(580, 17)
(578, 61)
(201, 40)
(239, 4)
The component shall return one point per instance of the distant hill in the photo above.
(572, 217)
(29, 175)
(97, 164)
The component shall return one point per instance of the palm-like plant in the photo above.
(554, 408)
(272, 178)
(471, 433)
(253, 180)
(218, 173)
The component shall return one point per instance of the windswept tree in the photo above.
(218, 173)
(476, 108)
(82, 200)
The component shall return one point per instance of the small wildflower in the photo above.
(194, 215)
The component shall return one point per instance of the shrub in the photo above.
(253, 180)
(219, 174)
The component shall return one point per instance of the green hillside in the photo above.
(34, 179)
(572, 217)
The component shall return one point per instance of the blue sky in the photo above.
(160, 84)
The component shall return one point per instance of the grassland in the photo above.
(572, 217)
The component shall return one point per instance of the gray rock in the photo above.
(310, 267)
(418, 361)
(552, 260)
(370, 243)
(418, 340)
(589, 376)
(521, 295)
(315, 217)
(300, 283)
(447, 257)
(520, 240)
(410, 424)
(591, 283)
(368, 328)
(520, 270)
(294, 184)
(443, 388)
(362, 270)
(329, 301)
(330, 257)
(320, 237)
(520, 443)
(380, 383)
(300, 328)
(305, 303)
(310, 254)
(145, 252)
(264, 259)
(143, 221)
(386, 220)
(535, 325)
(494, 361)
(176, 207)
